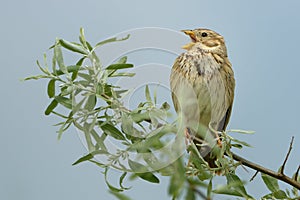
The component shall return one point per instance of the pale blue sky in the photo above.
(263, 43)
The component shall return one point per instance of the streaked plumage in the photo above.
(202, 85)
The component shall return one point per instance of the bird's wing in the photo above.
(229, 78)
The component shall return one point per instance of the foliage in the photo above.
(147, 143)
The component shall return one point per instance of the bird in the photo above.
(202, 84)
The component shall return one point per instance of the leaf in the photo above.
(165, 106)
(119, 66)
(226, 189)
(89, 156)
(34, 77)
(89, 46)
(240, 131)
(84, 158)
(45, 70)
(147, 94)
(114, 39)
(51, 107)
(209, 189)
(241, 142)
(280, 194)
(122, 60)
(53, 63)
(142, 171)
(80, 61)
(64, 101)
(121, 181)
(85, 76)
(72, 68)
(90, 103)
(73, 47)
(87, 128)
(239, 146)
(82, 38)
(63, 128)
(51, 88)
(271, 183)
(74, 75)
(177, 179)
(112, 188)
(140, 116)
(235, 182)
(120, 74)
(112, 131)
(59, 58)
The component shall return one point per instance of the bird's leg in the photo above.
(187, 136)
(217, 135)
(219, 141)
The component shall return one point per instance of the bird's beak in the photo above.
(193, 38)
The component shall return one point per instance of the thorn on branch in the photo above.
(287, 156)
(297, 173)
(252, 178)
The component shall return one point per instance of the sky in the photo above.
(263, 47)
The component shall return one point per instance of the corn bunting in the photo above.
(202, 84)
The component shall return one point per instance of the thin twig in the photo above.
(264, 170)
(287, 156)
(252, 178)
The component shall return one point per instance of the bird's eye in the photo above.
(204, 34)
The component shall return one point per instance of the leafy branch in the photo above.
(143, 142)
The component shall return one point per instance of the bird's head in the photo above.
(205, 40)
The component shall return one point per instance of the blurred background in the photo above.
(263, 41)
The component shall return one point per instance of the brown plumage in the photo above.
(202, 84)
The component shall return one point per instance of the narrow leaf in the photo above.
(147, 94)
(226, 189)
(51, 107)
(280, 194)
(122, 60)
(112, 131)
(120, 74)
(111, 40)
(209, 189)
(177, 179)
(64, 101)
(72, 68)
(236, 183)
(112, 188)
(73, 47)
(90, 103)
(82, 38)
(59, 58)
(80, 61)
(89, 156)
(121, 181)
(45, 70)
(142, 171)
(240, 131)
(51, 88)
(119, 66)
(241, 142)
(270, 182)
(84, 158)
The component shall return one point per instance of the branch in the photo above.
(264, 170)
